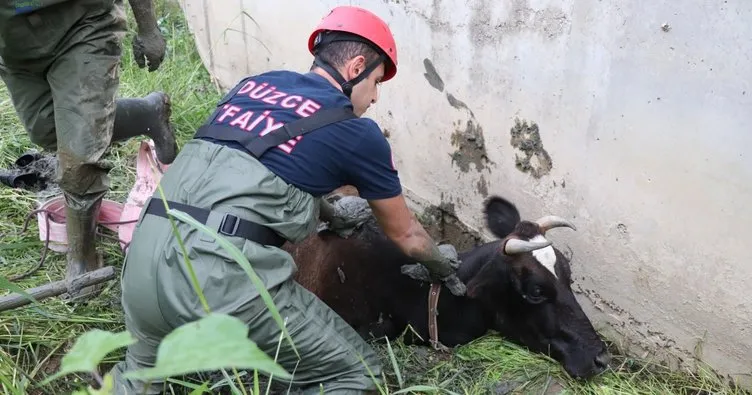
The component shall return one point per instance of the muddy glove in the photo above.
(149, 42)
(150, 45)
(440, 268)
(345, 215)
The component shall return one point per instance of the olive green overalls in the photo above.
(157, 295)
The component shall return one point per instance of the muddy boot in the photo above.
(147, 116)
(32, 171)
(17, 179)
(82, 256)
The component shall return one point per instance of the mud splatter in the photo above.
(471, 148)
(548, 22)
(457, 103)
(432, 76)
(534, 160)
(483, 186)
(440, 221)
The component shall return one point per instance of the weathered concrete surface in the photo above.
(596, 111)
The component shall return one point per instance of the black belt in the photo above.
(231, 225)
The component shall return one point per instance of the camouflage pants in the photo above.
(60, 65)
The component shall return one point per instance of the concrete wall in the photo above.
(591, 110)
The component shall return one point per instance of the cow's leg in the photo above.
(332, 353)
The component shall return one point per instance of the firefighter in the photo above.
(256, 172)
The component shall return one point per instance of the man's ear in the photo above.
(356, 66)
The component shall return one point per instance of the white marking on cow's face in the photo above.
(546, 256)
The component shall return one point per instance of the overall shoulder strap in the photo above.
(257, 145)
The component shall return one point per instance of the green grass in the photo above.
(31, 344)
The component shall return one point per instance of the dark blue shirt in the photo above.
(352, 152)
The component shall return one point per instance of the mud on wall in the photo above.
(630, 118)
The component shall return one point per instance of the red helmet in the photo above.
(363, 23)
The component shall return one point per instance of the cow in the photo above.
(518, 285)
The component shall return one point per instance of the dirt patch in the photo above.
(458, 104)
(443, 225)
(440, 221)
(522, 17)
(471, 147)
(432, 76)
(534, 159)
(483, 186)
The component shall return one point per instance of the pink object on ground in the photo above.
(149, 171)
(120, 218)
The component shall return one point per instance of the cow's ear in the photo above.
(501, 216)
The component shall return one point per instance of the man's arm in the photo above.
(143, 12)
(149, 42)
(402, 227)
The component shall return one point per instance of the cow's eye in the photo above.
(535, 295)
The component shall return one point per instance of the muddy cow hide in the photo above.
(518, 285)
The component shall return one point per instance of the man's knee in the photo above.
(333, 354)
(41, 130)
(86, 180)
(32, 100)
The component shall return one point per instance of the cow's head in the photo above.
(527, 285)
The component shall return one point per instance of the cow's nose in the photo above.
(602, 360)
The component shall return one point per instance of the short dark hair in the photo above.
(337, 53)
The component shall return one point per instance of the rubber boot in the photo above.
(147, 116)
(82, 256)
(17, 179)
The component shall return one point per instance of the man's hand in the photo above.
(401, 226)
(149, 45)
(419, 272)
(345, 215)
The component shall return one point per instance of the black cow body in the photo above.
(360, 278)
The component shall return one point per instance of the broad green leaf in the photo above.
(211, 343)
(89, 350)
(238, 256)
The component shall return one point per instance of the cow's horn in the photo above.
(552, 221)
(517, 246)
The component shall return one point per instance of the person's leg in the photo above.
(147, 116)
(142, 354)
(144, 318)
(32, 99)
(330, 350)
(84, 79)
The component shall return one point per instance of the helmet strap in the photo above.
(348, 85)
